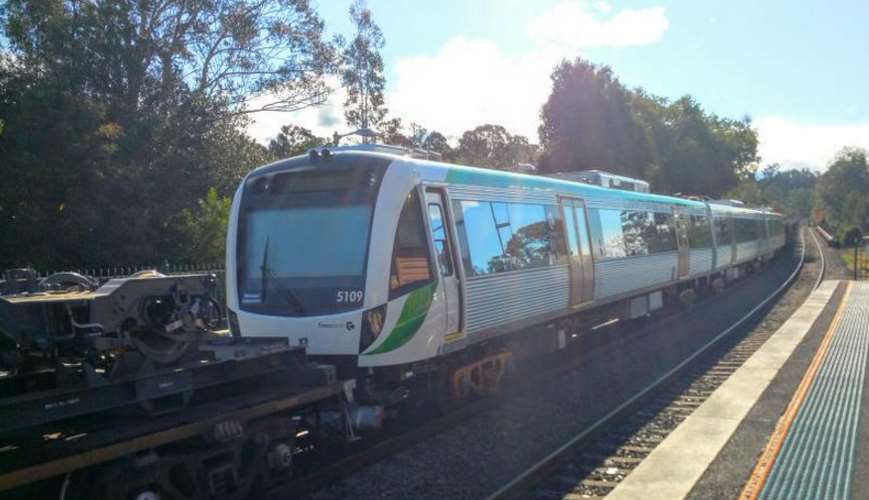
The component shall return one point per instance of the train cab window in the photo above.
(439, 237)
(410, 262)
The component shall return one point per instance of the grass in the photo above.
(848, 258)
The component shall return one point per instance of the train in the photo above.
(404, 271)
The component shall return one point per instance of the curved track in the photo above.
(635, 427)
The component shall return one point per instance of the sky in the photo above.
(798, 69)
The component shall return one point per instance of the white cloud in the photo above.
(322, 120)
(573, 24)
(470, 82)
(603, 7)
(800, 145)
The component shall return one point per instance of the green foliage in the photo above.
(201, 231)
(362, 70)
(120, 113)
(694, 152)
(491, 146)
(787, 191)
(292, 141)
(841, 193)
(590, 121)
(587, 123)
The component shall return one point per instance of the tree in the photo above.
(787, 191)
(135, 53)
(430, 140)
(293, 140)
(841, 192)
(590, 121)
(119, 114)
(392, 132)
(436, 142)
(491, 146)
(693, 152)
(203, 229)
(699, 153)
(587, 124)
(362, 70)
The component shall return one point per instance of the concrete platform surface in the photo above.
(690, 461)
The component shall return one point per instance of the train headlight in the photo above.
(232, 319)
(372, 325)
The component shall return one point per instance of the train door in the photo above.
(683, 224)
(731, 222)
(442, 242)
(578, 250)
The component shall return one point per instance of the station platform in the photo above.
(791, 423)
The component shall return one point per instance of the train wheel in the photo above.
(444, 396)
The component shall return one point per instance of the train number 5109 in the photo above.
(349, 296)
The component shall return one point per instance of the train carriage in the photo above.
(392, 266)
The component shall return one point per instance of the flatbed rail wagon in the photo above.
(163, 407)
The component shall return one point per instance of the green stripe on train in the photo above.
(412, 315)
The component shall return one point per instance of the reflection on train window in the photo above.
(439, 237)
(612, 243)
(497, 237)
(665, 237)
(637, 232)
(700, 232)
(410, 264)
(746, 230)
(632, 233)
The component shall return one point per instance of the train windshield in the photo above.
(303, 241)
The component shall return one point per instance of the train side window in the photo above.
(700, 232)
(496, 237)
(612, 244)
(666, 240)
(530, 244)
(411, 267)
(746, 230)
(484, 240)
(439, 237)
(638, 232)
(722, 231)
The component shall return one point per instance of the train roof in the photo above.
(476, 176)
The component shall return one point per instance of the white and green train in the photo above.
(393, 266)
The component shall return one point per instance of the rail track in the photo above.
(594, 461)
(327, 472)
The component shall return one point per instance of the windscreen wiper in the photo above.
(264, 272)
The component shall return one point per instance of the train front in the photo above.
(309, 251)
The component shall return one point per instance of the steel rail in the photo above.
(823, 259)
(544, 467)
